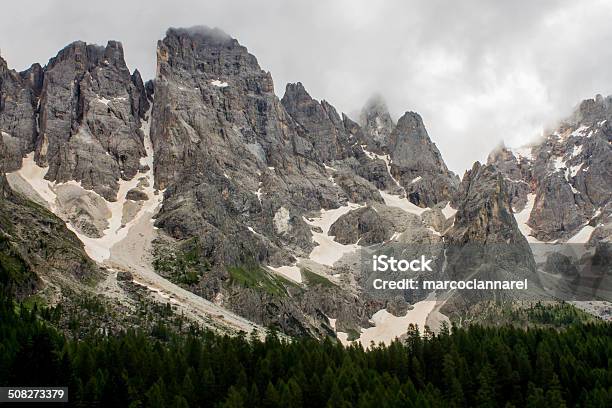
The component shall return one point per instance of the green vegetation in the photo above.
(483, 367)
(256, 277)
(13, 269)
(546, 314)
(352, 334)
(313, 279)
(185, 265)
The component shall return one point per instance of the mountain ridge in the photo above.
(253, 197)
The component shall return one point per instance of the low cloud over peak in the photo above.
(477, 71)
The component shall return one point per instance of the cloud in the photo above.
(478, 71)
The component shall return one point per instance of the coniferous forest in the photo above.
(482, 367)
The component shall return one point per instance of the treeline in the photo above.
(483, 367)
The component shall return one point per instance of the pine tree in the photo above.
(485, 396)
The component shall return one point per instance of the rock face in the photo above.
(417, 163)
(484, 213)
(239, 172)
(363, 225)
(485, 242)
(357, 189)
(89, 118)
(225, 149)
(18, 99)
(568, 172)
(517, 173)
(318, 124)
(377, 125)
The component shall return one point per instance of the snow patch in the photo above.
(35, 176)
(389, 327)
(523, 151)
(219, 84)
(329, 251)
(522, 218)
(559, 163)
(402, 203)
(292, 272)
(580, 131)
(433, 231)
(582, 236)
(577, 150)
(329, 167)
(573, 170)
(416, 179)
(259, 193)
(281, 220)
(448, 211)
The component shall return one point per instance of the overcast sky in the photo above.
(477, 71)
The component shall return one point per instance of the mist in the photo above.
(479, 72)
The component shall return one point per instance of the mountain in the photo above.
(377, 124)
(240, 210)
(418, 164)
(18, 101)
(485, 242)
(560, 191)
(564, 181)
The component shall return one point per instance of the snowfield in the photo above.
(329, 251)
(99, 249)
(402, 203)
(292, 272)
(35, 177)
(389, 327)
(448, 211)
(582, 236)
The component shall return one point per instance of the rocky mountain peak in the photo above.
(410, 131)
(295, 94)
(517, 170)
(376, 123)
(484, 213)
(210, 53)
(567, 173)
(84, 57)
(18, 112)
(484, 208)
(485, 241)
(593, 110)
(418, 164)
(204, 34)
(319, 124)
(89, 118)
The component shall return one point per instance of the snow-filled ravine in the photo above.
(98, 248)
(523, 216)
